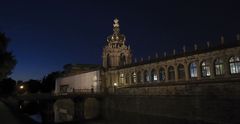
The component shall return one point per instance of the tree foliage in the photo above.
(48, 82)
(7, 60)
(7, 86)
(33, 86)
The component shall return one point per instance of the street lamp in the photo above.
(21, 87)
(114, 87)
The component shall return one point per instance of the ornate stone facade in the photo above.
(218, 62)
(116, 53)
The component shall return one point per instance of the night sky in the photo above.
(47, 34)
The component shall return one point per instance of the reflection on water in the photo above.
(120, 117)
(36, 117)
(117, 117)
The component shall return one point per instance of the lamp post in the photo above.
(114, 87)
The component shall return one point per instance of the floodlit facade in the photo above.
(119, 71)
(213, 62)
(81, 81)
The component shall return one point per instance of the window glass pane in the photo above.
(193, 70)
(122, 78)
(238, 67)
(234, 65)
(208, 71)
(146, 77)
(134, 77)
(161, 74)
(155, 77)
(219, 70)
(205, 69)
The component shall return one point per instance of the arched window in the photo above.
(234, 63)
(205, 67)
(154, 76)
(108, 61)
(122, 59)
(139, 77)
(134, 78)
(219, 68)
(171, 73)
(162, 74)
(193, 70)
(146, 76)
(122, 78)
(181, 72)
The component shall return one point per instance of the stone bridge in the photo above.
(65, 107)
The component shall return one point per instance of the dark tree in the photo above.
(48, 83)
(33, 86)
(7, 86)
(7, 60)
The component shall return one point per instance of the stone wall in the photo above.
(221, 87)
(208, 102)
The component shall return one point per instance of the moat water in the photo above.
(117, 117)
(120, 117)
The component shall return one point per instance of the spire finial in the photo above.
(116, 26)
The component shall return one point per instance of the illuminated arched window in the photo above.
(205, 68)
(154, 76)
(219, 68)
(146, 76)
(162, 74)
(234, 63)
(181, 72)
(134, 78)
(171, 73)
(139, 77)
(121, 78)
(193, 70)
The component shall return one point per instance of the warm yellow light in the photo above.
(21, 87)
(115, 84)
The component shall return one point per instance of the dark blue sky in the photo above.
(46, 34)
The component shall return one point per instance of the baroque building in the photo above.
(221, 62)
(116, 53)
(212, 63)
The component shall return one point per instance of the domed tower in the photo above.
(116, 53)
